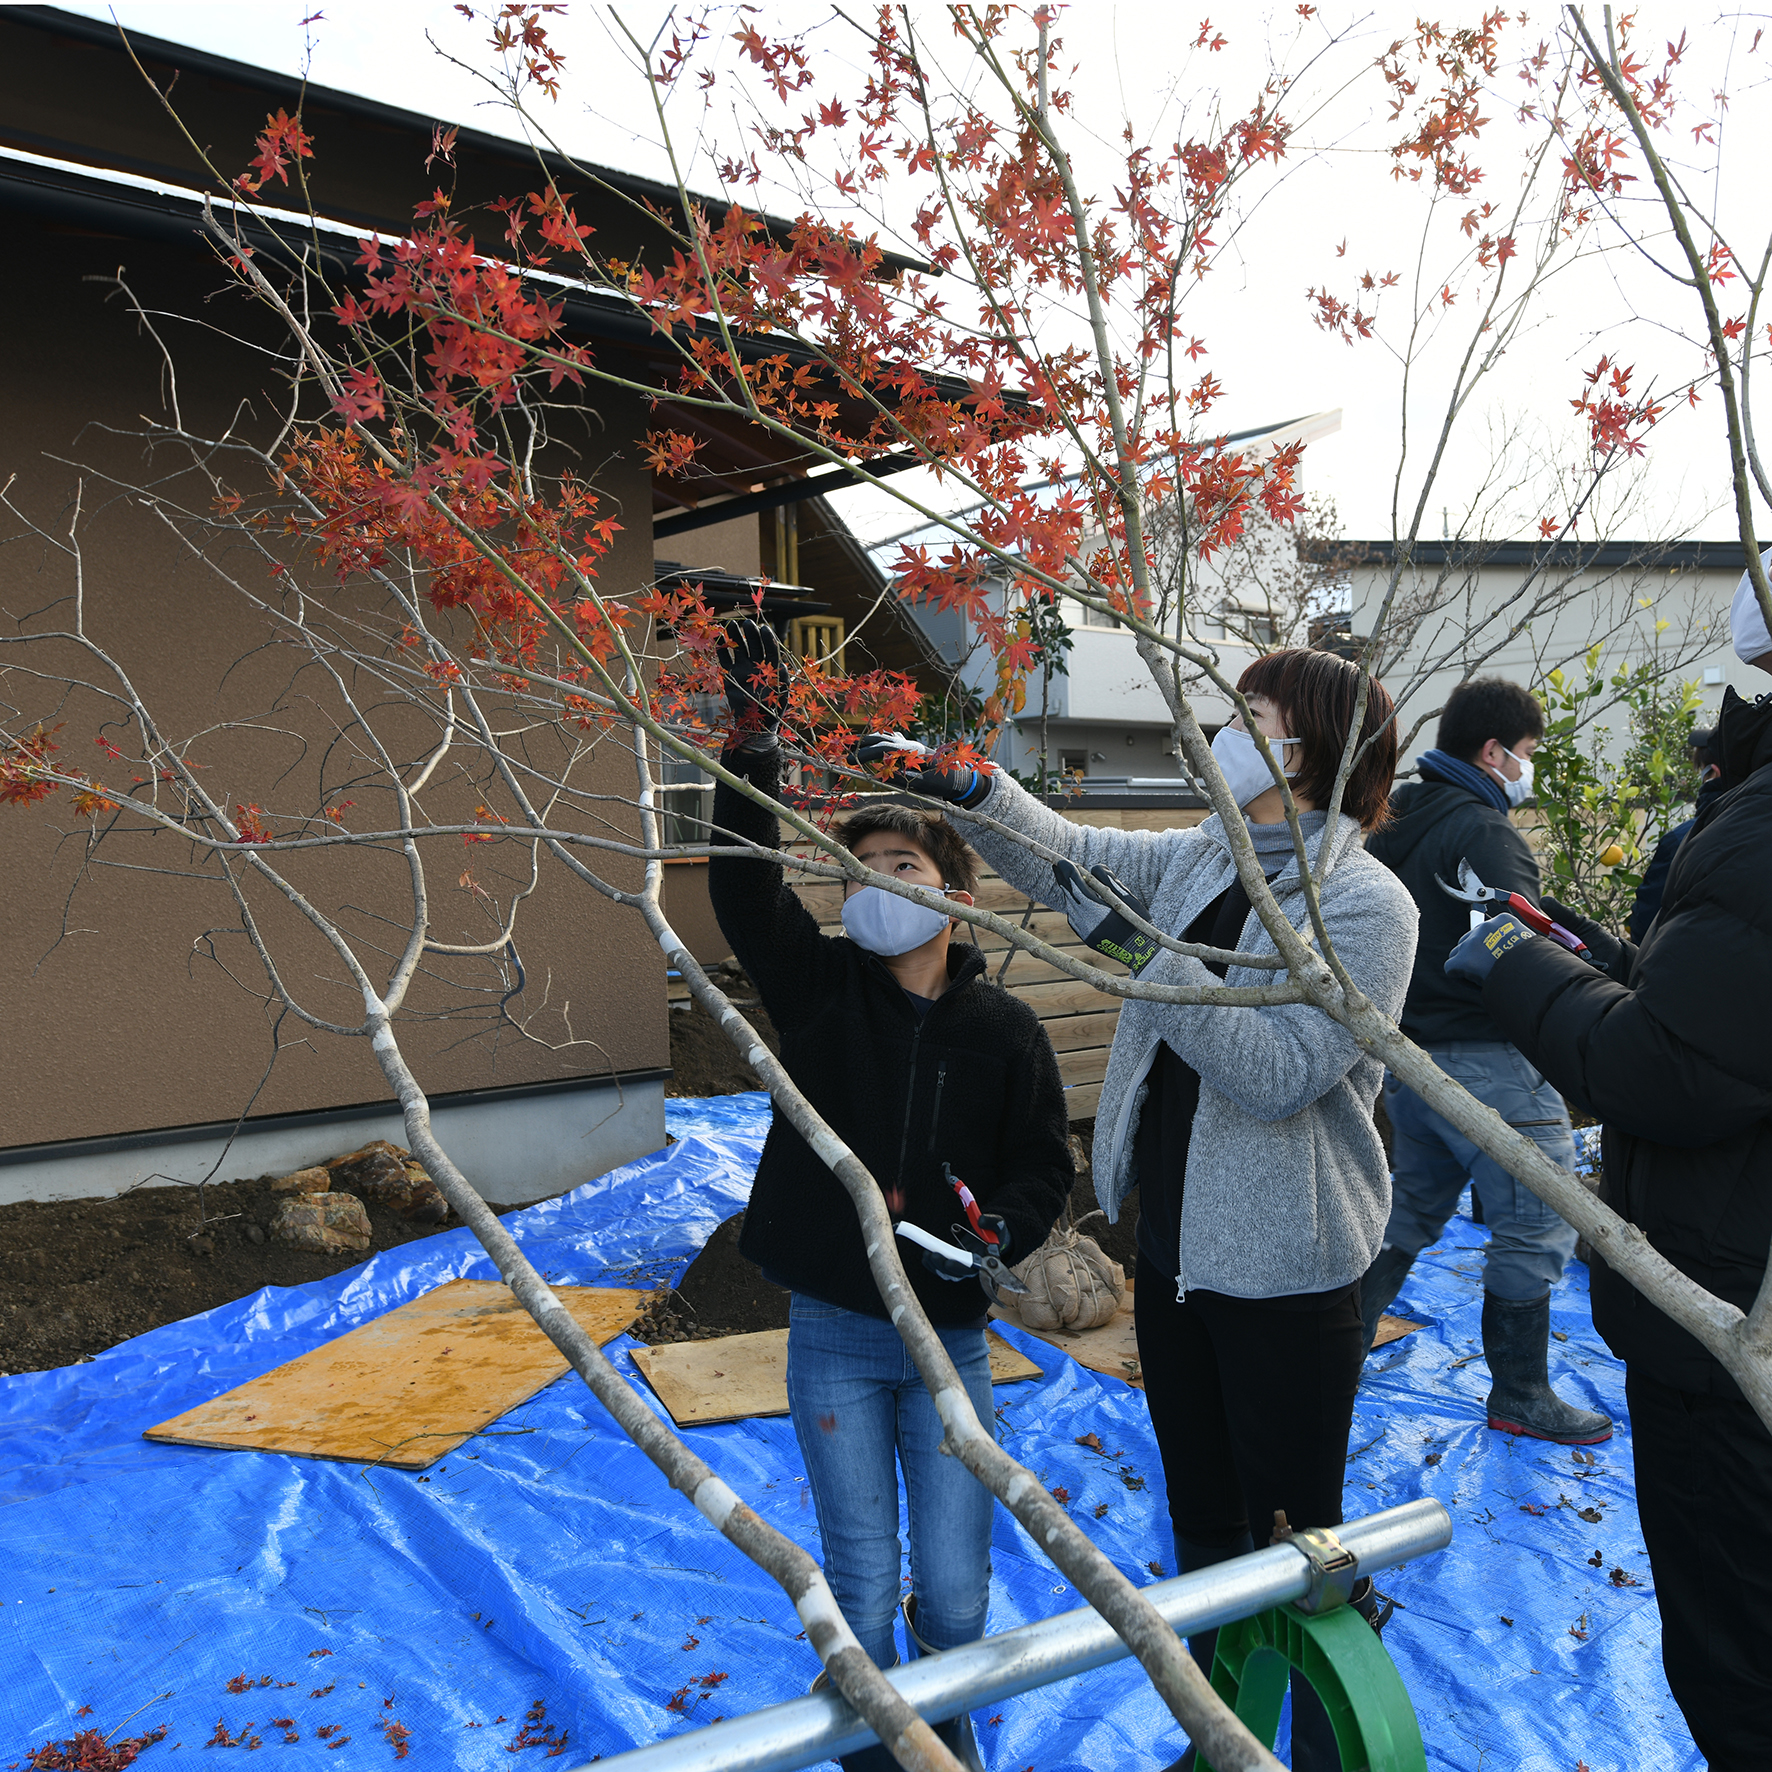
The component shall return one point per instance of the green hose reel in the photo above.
(1341, 1656)
(1337, 1651)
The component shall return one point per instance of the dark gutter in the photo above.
(731, 590)
(773, 497)
(1670, 556)
(282, 87)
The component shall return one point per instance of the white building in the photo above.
(1459, 608)
(1520, 609)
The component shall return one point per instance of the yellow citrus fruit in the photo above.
(1611, 856)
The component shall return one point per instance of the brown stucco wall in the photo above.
(691, 912)
(115, 987)
(721, 547)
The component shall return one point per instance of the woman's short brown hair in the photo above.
(1316, 693)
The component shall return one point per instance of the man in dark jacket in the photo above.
(1710, 785)
(1458, 811)
(920, 1064)
(1671, 1046)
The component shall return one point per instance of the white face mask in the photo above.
(886, 924)
(1519, 791)
(1246, 774)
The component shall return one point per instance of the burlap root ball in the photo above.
(1070, 1283)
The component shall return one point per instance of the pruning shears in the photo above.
(1491, 901)
(974, 1243)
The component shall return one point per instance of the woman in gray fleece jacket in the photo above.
(1263, 1189)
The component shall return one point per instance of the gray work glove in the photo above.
(1097, 924)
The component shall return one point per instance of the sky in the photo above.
(1333, 212)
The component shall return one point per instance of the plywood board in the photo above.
(408, 1388)
(1394, 1329)
(1112, 1349)
(1081, 1100)
(740, 1376)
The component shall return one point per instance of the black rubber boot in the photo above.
(956, 1733)
(1379, 1286)
(1374, 1607)
(1516, 1342)
(1204, 1644)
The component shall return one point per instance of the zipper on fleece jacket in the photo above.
(941, 1082)
(910, 1096)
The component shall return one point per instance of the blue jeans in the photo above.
(856, 1399)
(1431, 1159)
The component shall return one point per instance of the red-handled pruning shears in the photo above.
(1491, 901)
(973, 1216)
(975, 1247)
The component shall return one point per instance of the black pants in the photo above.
(1251, 1407)
(1704, 1495)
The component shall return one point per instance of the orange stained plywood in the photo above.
(738, 1376)
(408, 1388)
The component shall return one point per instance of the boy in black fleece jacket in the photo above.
(915, 1060)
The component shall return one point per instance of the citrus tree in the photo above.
(1603, 805)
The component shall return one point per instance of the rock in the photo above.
(255, 1233)
(333, 1224)
(303, 1181)
(201, 1244)
(387, 1176)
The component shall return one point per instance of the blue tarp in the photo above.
(547, 1563)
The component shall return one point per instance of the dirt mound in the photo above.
(704, 1060)
(720, 1294)
(79, 1276)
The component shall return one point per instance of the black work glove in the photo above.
(954, 782)
(756, 684)
(962, 1238)
(1605, 947)
(1097, 923)
(1476, 953)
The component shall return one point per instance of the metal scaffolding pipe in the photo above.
(808, 1730)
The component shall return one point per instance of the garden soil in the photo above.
(704, 1060)
(79, 1276)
